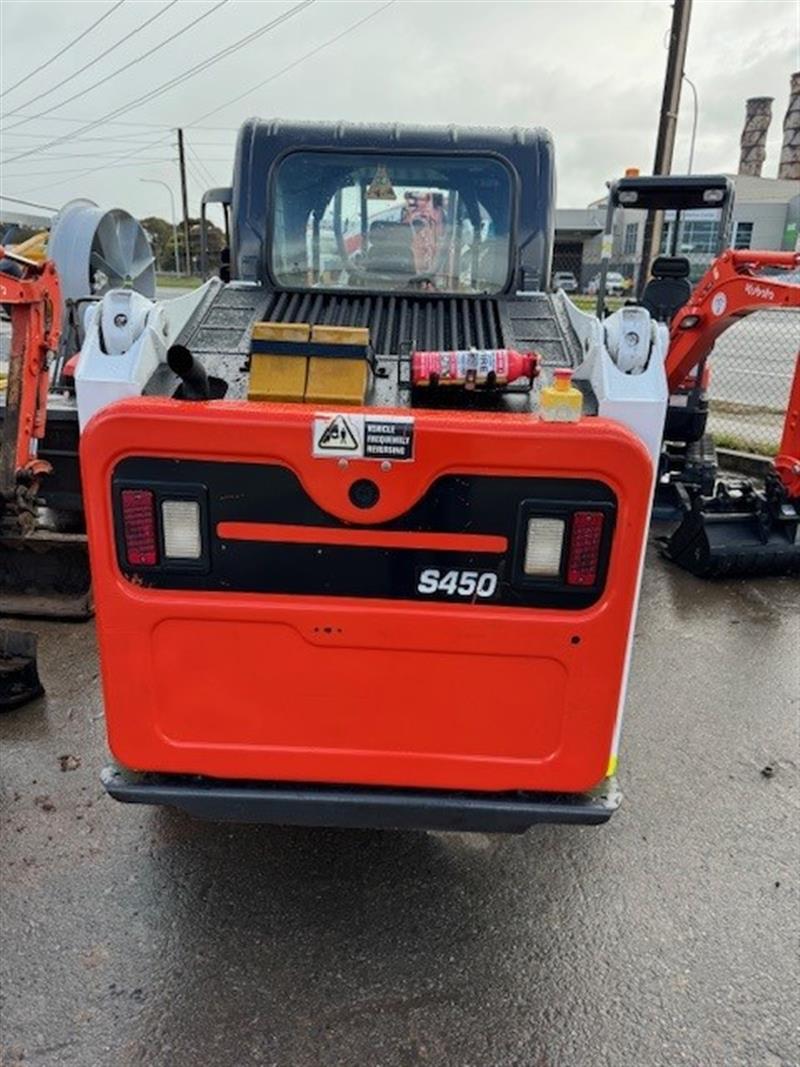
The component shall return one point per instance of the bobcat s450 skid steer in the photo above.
(350, 566)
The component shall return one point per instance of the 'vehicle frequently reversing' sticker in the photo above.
(363, 436)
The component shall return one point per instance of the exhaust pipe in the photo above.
(194, 380)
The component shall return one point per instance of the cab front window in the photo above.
(344, 220)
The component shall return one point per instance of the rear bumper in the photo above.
(294, 804)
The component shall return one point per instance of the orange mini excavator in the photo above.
(33, 299)
(739, 528)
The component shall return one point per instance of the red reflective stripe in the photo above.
(586, 537)
(139, 527)
(325, 535)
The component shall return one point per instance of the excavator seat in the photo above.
(669, 288)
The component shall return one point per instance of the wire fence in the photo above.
(752, 363)
(751, 375)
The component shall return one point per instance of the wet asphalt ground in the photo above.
(669, 936)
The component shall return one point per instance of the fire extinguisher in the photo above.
(472, 367)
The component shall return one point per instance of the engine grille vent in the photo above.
(395, 321)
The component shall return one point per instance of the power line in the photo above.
(75, 170)
(294, 63)
(203, 169)
(66, 48)
(137, 29)
(81, 155)
(171, 83)
(128, 138)
(123, 122)
(29, 203)
(198, 179)
(102, 166)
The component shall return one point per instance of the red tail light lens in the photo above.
(585, 540)
(139, 527)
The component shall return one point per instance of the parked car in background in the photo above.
(616, 284)
(566, 280)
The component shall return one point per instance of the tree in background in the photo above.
(159, 232)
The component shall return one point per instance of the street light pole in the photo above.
(693, 87)
(157, 181)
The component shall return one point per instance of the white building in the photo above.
(766, 215)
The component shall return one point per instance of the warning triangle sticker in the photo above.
(380, 188)
(339, 436)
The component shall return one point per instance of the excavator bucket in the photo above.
(45, 575)
(736, 534)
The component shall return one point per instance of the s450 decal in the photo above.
(464, 585)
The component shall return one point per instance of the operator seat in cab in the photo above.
(390, 248)
(669, 288)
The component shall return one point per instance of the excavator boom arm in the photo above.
(35, 301)
(730, 289)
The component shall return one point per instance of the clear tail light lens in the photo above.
(180, 520)
(585, 542)
(139, 527)
(543, 546)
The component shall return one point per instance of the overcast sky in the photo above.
(591, 72)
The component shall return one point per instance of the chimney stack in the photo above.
(758, 115)
(789, 167)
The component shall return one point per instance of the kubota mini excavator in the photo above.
(728, 527)
(739, 528)
(34, 299)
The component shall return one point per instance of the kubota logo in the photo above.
(760, 291)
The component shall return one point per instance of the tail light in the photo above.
(180, 520)
(586, 538)
(543, 547)
(139, 527)
(163, 526)
(563, 549)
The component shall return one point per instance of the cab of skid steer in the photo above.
(397, 608)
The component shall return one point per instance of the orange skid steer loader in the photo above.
(348, 569)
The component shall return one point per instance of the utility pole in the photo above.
(185, 202)
(668, 122)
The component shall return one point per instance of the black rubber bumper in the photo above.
(296, 804)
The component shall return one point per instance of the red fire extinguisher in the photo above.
(472, 367)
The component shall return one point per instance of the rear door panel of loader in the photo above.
(300, 648)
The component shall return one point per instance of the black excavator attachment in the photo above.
(19, 676)
(45, 575)
(739, 531)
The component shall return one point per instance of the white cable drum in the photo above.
(95, 250)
